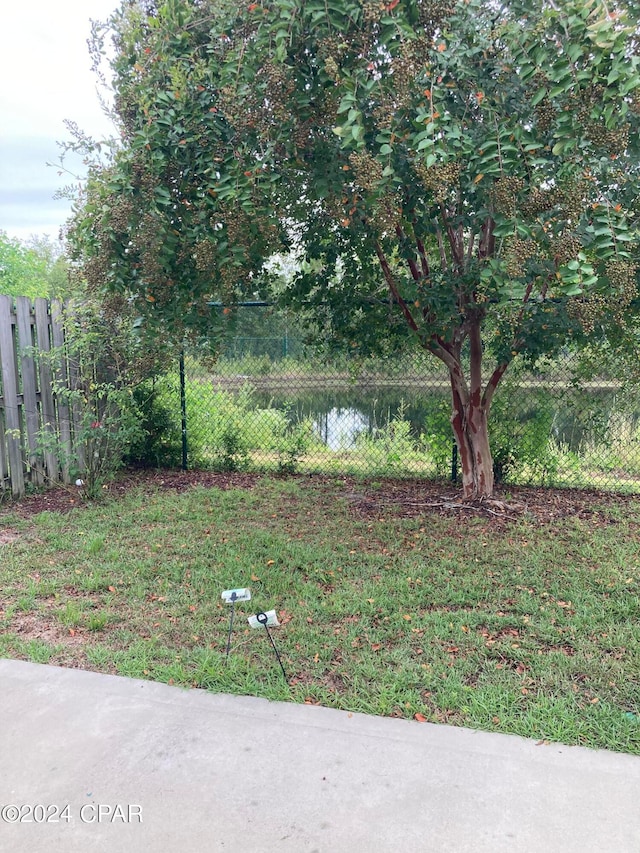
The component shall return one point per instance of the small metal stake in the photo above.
(263, 619)
(233, 611)
(230, 596)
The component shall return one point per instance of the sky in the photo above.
(45, 78)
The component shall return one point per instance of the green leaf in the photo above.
(572, 290)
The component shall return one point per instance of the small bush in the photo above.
(160, 442)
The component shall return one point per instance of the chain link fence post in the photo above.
(183, 411)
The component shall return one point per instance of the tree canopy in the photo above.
(463, 174)
(33, 267)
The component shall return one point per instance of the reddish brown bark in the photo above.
(470, 412)
(470, 428)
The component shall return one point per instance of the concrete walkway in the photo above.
(148, 768)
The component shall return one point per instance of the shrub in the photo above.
(160, 443)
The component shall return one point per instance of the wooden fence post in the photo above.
(46, 381)
(9, 368)
(24, 321)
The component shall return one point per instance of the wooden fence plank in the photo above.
(29, 388)
(61, 373)
(46, 390)
(4, 465)
(8, 366)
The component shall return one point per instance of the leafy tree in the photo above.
(24, 268)
(33, 267)
(465, 174)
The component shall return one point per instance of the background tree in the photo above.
(33, 267)
(464, 174)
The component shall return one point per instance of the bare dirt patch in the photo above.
(32, 626)
(7, 536)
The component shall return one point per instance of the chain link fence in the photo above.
(266, 405)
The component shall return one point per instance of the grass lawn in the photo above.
(389, 603)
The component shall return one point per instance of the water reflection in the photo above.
(339, 428)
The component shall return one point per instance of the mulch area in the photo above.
(63, 499)
(404, 498)
(419, 498)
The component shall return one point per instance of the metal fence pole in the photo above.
(183, 410)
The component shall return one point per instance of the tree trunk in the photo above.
(471, 404)
(470, 427)
(470, 414)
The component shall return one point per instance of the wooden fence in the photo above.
(36, 425)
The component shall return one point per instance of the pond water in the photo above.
(573, 418)
(339, 417)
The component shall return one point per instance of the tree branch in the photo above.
(453, 235)
(424, 261)
(492, 384)
(443, 255)
(386, 269)
(412, 264)
(487, 244)
(440, 350)
(475, 347)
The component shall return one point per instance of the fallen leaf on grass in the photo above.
(375, 647)
(420, 718)
(111, 589)
(255, 578)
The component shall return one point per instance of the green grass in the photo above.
(514, 626)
